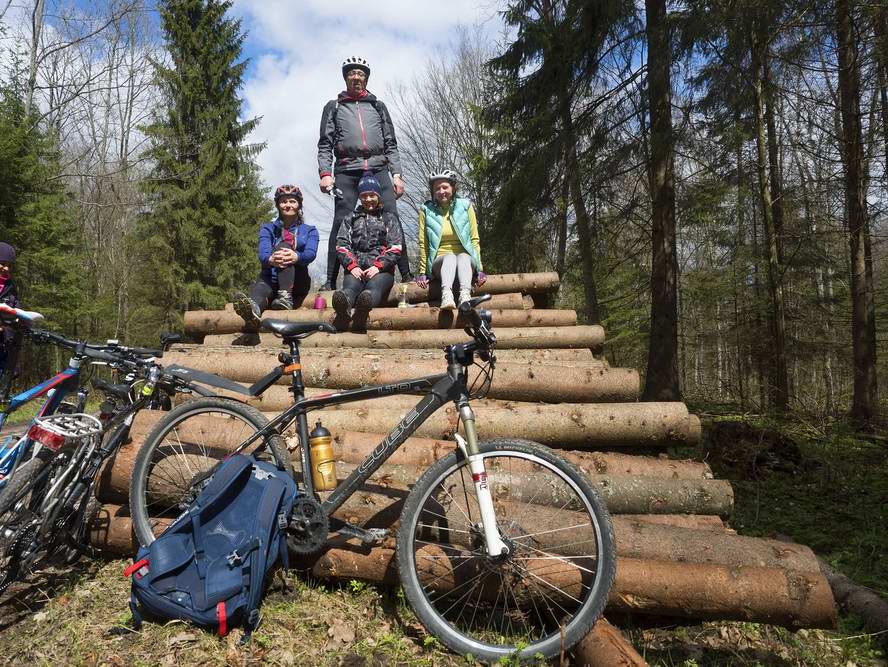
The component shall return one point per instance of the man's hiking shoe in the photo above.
(284, 301)
(363, 304)
(342, 308)
(247, 309)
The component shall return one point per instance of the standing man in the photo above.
(357, 132)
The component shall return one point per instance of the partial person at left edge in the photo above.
(9, 297)
(287, 245)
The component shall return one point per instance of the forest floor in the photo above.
(819, 485)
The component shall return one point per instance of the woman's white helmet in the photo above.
(442, 175)
(355, 63)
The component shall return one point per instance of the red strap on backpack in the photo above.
(221, 617)
(138, 565)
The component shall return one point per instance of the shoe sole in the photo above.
(244, 307)
(363, 304)
(340, 305)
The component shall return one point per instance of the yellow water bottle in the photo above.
(323, 463)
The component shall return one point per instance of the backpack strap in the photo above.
(233, 467)
(134, 609)
(266, 524)
(230, 469)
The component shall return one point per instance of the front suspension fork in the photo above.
(469, 448)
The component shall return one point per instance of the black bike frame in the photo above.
(438, 389)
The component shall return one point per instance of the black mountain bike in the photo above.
(46, 503)
(503, 547)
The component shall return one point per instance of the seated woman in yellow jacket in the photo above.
(449, 247)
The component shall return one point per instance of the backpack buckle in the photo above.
(254, 619)
(234, 559)
(282, 521)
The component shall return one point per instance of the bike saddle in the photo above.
(120, 390)
(288, 330)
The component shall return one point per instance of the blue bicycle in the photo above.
(15, 447)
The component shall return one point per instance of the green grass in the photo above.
(29, 410)
(822, 486)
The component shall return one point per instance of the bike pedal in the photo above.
(366, 535)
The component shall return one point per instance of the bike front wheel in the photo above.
(179, 456)
(546, 593)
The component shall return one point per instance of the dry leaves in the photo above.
(340, 633)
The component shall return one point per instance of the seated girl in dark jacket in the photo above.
(368, 246)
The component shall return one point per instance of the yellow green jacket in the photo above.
(448, 231)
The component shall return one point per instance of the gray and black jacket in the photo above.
(359, 134)
(369, 239)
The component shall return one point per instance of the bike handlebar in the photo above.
(479, 321)
(114, 354)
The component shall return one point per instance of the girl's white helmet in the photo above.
(444, 174)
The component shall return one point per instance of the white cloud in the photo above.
(298, 48)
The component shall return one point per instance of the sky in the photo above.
(296, 49)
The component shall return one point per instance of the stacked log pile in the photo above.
(676, 555)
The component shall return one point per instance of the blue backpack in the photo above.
(209, 566)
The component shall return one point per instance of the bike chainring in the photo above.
(308, 528)
(13, 553)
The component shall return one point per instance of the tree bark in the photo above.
(355, 446)
(778, 381)
(585, 229)
(700, 591)
(574, 426)
(662, 379)
(581, 357)
(562, 208)
(503, 301)
(503, 283)
(865, 401)
(583, 427)
(605, 646)
(199, 323)
(512, 381)
(36, 33)
(581, 336)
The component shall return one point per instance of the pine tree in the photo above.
(37, 218)
(198, 238)
(544, 74)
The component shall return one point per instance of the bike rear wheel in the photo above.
(551, 587)
(181, 453)
(19, 521)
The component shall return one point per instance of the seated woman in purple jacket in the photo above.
(287, 245)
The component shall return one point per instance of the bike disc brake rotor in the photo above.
(308, 528)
